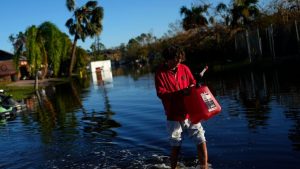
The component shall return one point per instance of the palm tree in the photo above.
(194, 18)
(85, 22)
(244, 11)
(224, 12)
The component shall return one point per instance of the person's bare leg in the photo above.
(174, 156)
(202, 155)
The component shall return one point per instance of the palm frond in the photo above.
(91, 4)
(69, 22)
(70, 5)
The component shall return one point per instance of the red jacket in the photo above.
(168, 85)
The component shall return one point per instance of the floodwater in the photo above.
(121, 124)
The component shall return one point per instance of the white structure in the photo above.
(104, 67)
(103, 64)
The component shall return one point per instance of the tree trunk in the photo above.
(248, 46)
(36, 82)
(45, 71)
(73, 56)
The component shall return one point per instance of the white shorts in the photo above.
(175, 131)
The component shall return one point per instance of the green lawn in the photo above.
(17, 92)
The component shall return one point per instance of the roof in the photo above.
(23, 58)
(5, 55)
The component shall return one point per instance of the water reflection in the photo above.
(101, 122)
(290, 99)
(134, 72)
(261, 96)
(53, 108)
(294, 132)
(254, 95)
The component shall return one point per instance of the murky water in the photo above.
(122, 125)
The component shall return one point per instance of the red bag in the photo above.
(201, 104)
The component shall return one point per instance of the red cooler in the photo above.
(201, 104)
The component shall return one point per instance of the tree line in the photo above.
(46, 47)
(206, 32)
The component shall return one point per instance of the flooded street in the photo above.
(121, 124)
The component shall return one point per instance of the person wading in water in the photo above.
(172, 81)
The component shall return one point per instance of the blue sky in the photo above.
(123, 19)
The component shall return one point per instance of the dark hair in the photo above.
(172, 52)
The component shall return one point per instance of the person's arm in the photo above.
(191, 79)
(161, 91)
(203, 71)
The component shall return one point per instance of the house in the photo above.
(7, 66)
(8, 69)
